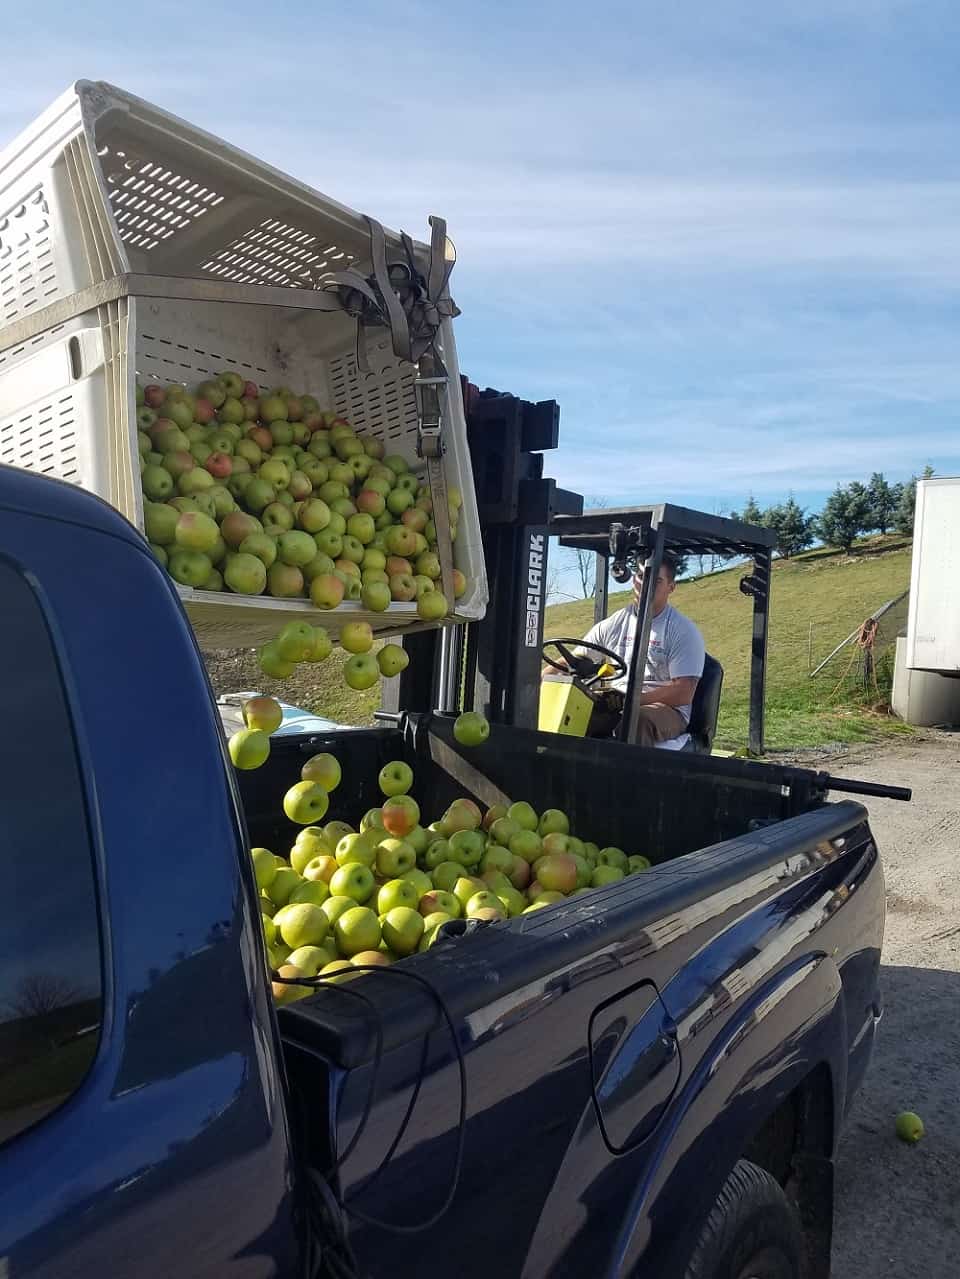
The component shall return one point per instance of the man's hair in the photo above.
(669, 565)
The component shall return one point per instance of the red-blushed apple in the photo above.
(196, 532)
(306, 803)
(324, 769)
(402, 929)
(356, 637)
(357, 930)
(178, 462)
(396, 564)
(326, 591)
(459, 584)
(261, 437)
(361, 671)
(370, 502)
(402, 588)
(288, 994)
(154, 395)
(262, 713)
(348, 569)
(493, 814)
(300, 486)
(436, 900)
(520, 873)
(482, 902)
(557, 872)
(392, 659)
(373, 448)
(463, 814)
(414, 518)
(401, 814)
(284, 581)
(556, 843)
(250, 389)
(371, 959)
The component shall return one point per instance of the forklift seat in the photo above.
(705, 708)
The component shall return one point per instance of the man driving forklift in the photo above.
(674, 665)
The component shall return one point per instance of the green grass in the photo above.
(836, 592)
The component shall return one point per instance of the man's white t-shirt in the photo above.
(676, 648)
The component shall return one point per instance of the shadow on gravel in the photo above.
(898, 1206)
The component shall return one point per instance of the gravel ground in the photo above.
(898, 1206)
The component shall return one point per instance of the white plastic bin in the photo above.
(103, 184)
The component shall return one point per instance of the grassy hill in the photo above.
(833, 591)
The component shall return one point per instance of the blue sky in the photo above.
(723, 235)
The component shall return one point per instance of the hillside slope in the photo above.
(833, 591)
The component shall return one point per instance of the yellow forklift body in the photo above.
(564, 707)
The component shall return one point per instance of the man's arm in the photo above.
(593, 636)
(679, 692)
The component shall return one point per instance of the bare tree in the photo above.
(41, 993)
(584, 563)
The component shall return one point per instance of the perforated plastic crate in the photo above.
(103, 185)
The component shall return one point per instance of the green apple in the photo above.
(396, 892)
(420, 880)
(465, 888)
(322, 867)
(501, 829)
(356, 637)
(376, 597)
(310, 959)
(284, 581)
(401, 814)
(606, 874)
(189, 568)
(361, 671)
(497, 858)
(305, 851)
(285, 882)
(335, 906)
(553, 820)
(467, 847)
(526, 846)
(613, 857)
(157, 482)
(402, 929)
(249, 748)
(264, 867)
(294, 641)
(360, 528)
(296, 548)
(269, 930)
(324, 769)
(306, 803)
(278, 518)
(584, 870)
(523, 815)
(483, 901)
(357, 847)
(512, 900)
(395, 778)
(335, 831)
(437, 854)
(432, 606)
(314, 891)
(372, 819)
(540, 894)
(394, 858)
(445, 875)
(637, 863)
(356, 930)
(321, 647)
(471, 728)
(271, 663)
(245, 574)
(431, 923)
(353, 880)
(160, 523)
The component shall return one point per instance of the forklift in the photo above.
(495, 666)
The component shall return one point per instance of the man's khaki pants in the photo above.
(657, 723)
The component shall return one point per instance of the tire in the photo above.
(752, 1231)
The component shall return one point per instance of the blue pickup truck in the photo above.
(648, 1080)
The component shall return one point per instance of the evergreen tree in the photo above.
(795, 529)
(903, 516)
(884, 500)
(845, 515)
(751, 513)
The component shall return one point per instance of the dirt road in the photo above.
(898, 1206)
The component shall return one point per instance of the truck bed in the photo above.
(602, 1028)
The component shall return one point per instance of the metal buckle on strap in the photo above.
(429, 416)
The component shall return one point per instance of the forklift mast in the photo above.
(497, 670)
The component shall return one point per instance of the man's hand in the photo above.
(679, 692)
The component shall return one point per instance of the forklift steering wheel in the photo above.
(587, 669)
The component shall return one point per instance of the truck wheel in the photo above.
(751, 1233)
